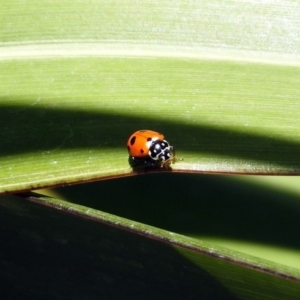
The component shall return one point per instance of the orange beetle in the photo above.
(148, 148)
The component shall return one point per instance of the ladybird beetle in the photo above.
(149, 149)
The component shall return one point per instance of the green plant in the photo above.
(219, 79)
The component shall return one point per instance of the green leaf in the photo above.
(145, 265)
(74, 87)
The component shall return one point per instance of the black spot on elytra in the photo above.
(132, 141)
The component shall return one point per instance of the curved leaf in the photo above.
(74, 86)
